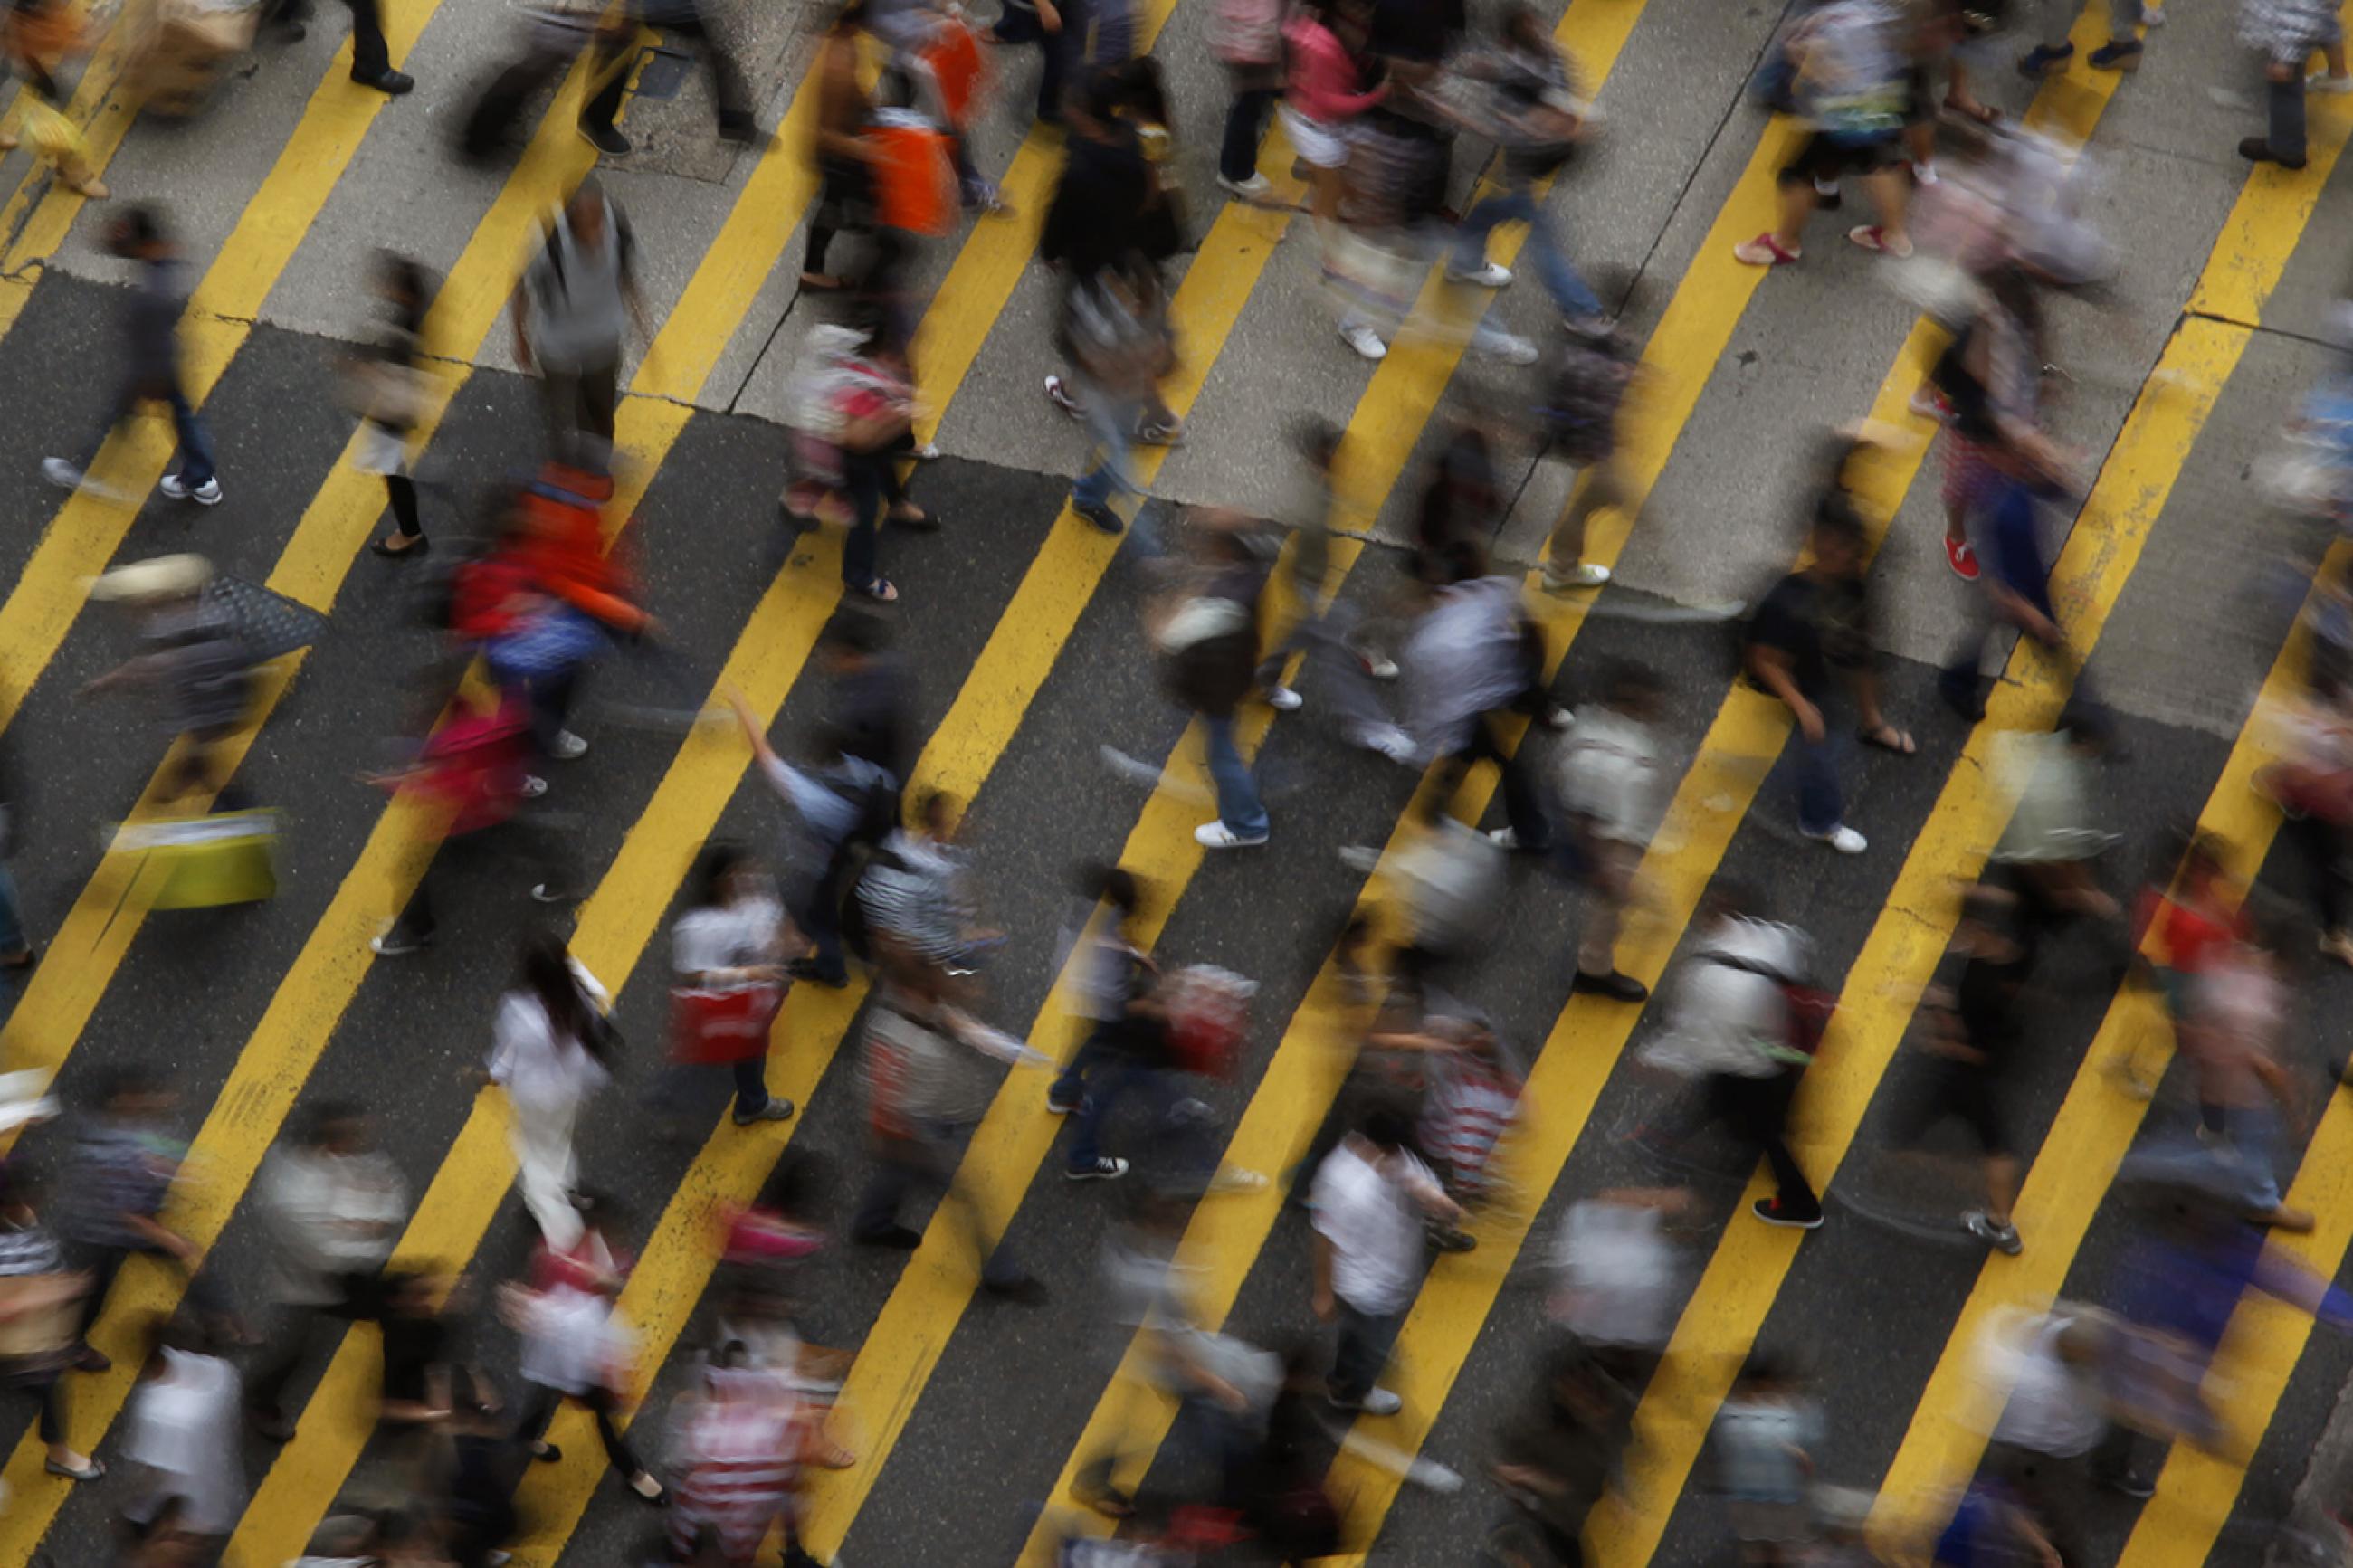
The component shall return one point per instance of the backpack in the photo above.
(1808, 1008)
(1208, 653)
(1586, 387)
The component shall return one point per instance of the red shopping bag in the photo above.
(723, 1026)
(915, 180)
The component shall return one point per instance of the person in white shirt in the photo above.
(1609, 789)
(1368, 1200)
(335, 1204)
(185, 1439)
(572, 311)
(728, 950)
(576, 1347)
(549, 1056)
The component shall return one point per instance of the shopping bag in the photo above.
(267, 624)
(728, 1026)
(227, 857)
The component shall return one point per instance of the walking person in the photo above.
(1471, 657)
(183, 1439)
(572, 310)
(728, 951)
(371, 54)
(1126, 1023)
(1206, 633)
(125, 1161)
(838, 147)
(1609, 781)
(679, 21)
(576, 1348)
(2286, 33)
(1849, 88)
(389, 383)
(39, 1298)
(39, 36)
(1058, 28)
(1247, 37)
(1322, 95)
(552, 1051)
(1539, 118)
(335, 1205)
(151, 371)
(1369, 1204)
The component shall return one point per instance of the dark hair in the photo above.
(321, 1120)
(1114, 885)
(1102, 96)
(719, 860)
(136, 228)
(1385, 1129)
(1141, 89)
(545, 971)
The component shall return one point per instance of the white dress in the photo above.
(547, 1078)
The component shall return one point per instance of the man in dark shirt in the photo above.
(867, 699)
(152, 372)
(1813, 620)
(1974, 1025)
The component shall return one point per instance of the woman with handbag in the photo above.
(389, 396)
(729, 950)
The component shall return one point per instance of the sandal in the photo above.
(1763, 251)
(915, 519)
(1872, 237)
(1888, 737)
(883, 591)
(824, 282)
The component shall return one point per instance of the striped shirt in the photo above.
(742, 1464)
(28, 1250)
(1471, 1103)
(911, 891)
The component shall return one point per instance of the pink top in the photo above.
(1322, 82)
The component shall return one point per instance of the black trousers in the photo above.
(1757, 1111)
(371, 56)
(1523, 801)
(545, 1401)
(299, 1329)
(728, 88)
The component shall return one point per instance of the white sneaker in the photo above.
(206, 494)
(61, 473)
(1366, 342)
(1217, 836)
(2322, 81)
(1254, 189)
(1233, 1180)
(1360, 857)
(1486, 275)
(1825, 187)
(1584, 574)
(1431, 1476)
(1378, 667)
(1387, 740)
(547, 893)
(567, 746)
(1504, 838)
(1283, 699)
(1379, 1402)
(1842, 839)
(1509, 347)
(534, 786)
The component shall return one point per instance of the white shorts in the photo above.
(1322, 145)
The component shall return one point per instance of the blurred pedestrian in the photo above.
(150, 370)
(742, 1440)
(687, 22)
(390, 393)
(1367, 1203)
(1247, 37)
(1205, 630)
(572, 310)
(576, 1348)
(1558, 1455)
(335, 1204)
(869, 694)
(1058, 28)
(1765, 1432)
(371, 54)
(1474, 656)
(1538, 118)
(184, 1437)
(728, 951)
(192, 656)
(1583, 418)
(550, 1053)
(1850, 90)
(126, 1159)
(1973, 1036)
(2285, 33)
(39, 1305)
(1609, 790)
(38, 37)
(843, 156)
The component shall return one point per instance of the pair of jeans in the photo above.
(1756, 1110)
(1517, 204)
(1239, 806)
(1110, 425)
(750, 1075)
(1245, 129)
(580, 406)
(1821, 809)
(194, 460)
(865, 479)
(1362, 1352)
(2321, 845)
(1382, 282)
(928, 1159)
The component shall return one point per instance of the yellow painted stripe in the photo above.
(2094, 1125)
(87, 530)
(270, 1070)
(1745, 1274)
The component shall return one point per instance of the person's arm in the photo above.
(1771, 668)
(1326, 1306)
(761, 753)
(1050, 16)
(2282, 1088)
(519, 308)
(160, 1236)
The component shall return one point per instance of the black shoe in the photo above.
(1773, 1210)
(546, 1454)
(1962, 700)
(1617, 987)
(2115, 55)
(89, 1358)
(2128, 1484)
(808, 969)
(605, 139)
(897, 1238)
(1452, 1238)
(1025, 1291)
(269, 1426)
(1102, 517)
(391, 83)
(777, 1109)
(2256, 149)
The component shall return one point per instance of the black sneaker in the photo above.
(1025, 1291)
(1056, 1106)
(1106, 1168)
(605, 139)
(1102, 516)
(1617, 987)
(2115, 55)
(2043, 59)
(1773, 1210)
(777, 1110)
(391, 83)
(2129, 1485)
(1999, 1236)
(2256, 149)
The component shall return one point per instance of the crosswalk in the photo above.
(1055, 597)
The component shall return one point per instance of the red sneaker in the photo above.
(1963, 560)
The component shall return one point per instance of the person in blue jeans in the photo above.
(1537, 131)
(151, 373)
(1817, 619)
(1115, 983)
(1209, 643)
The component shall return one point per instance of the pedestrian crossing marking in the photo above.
(276, 1061)
(1744, 1274)
(2095, 1126)
(88, 529)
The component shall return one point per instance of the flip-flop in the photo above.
(1902, 744)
